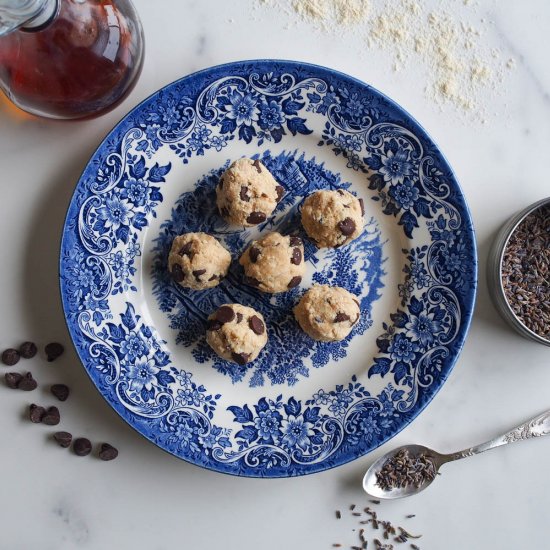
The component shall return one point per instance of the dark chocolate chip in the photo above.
(347, 226)
(346, 205)
(82, 446)
(239, 317)
(340, 192)
(10, 357)
(63, 439)
(214, 277)
(280, 192)
(225, 314)
(296, 258)
(13, 379)
(107, 452)
(256, 217)
(295, 281)
(295, 241)
(362, 205)
(224, 212)
(185, 250)
(52, 417)
(240, 358)
(253, 254)
(252, 281)
(257, 165)
(341, 317)
(177, 273)
(53, 351)
(256, 324)
(244, 194)
(27, 383)
(198, 272)
(28, 350)
(61, 391)
(213, 324)
(36, 413)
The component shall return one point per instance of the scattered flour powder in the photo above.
(459, 67)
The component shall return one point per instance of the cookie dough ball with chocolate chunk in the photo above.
(247, 193)
(332, 218)
(275, 263)
(236, 333)
(198, 261)
(327, 313)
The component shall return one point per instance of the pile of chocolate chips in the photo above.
(51, 415)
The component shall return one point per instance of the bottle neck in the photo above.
(30, 15)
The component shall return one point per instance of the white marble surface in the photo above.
(50, 499)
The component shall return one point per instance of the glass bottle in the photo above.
(68, 59)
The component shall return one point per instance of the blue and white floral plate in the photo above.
(302, 406)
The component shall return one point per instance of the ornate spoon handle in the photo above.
(536, 427)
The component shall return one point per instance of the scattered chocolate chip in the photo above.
(27, 383)
(253, 254)
(257, 165)
(36, 413)
(107, 452)
(52, 417)
(185, 250)
(295, 241)
(341, 317)
(244, 194)
(10, 357)
(240, 358)
(213, 324)
(82, 446)
(28, 350)
(198, 272)
(177, 273)
(296, 258)
(280, 192)
(362, 205)
(347, 226)
(214, 277)
(63, 438)
(252, 281)
(256, 324)
(224, 212)
(225, 314)
(13, 379)
(346, 205)
(340, 192)
(295, 281)
(256, 217)
(61, 391)
(53, 351)
(239, 317)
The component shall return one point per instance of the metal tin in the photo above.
(494, 273)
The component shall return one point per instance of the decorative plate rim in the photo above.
(468, 300)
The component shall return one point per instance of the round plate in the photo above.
(301, 406)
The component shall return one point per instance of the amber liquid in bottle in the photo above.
(81, 64)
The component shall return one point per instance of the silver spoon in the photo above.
(536, 427)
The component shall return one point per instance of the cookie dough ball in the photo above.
(333, 218)
(247, 193)
(198, 261)
(274, 263)
(327, 313)
(236, 333)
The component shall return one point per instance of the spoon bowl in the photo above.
(370, 481)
